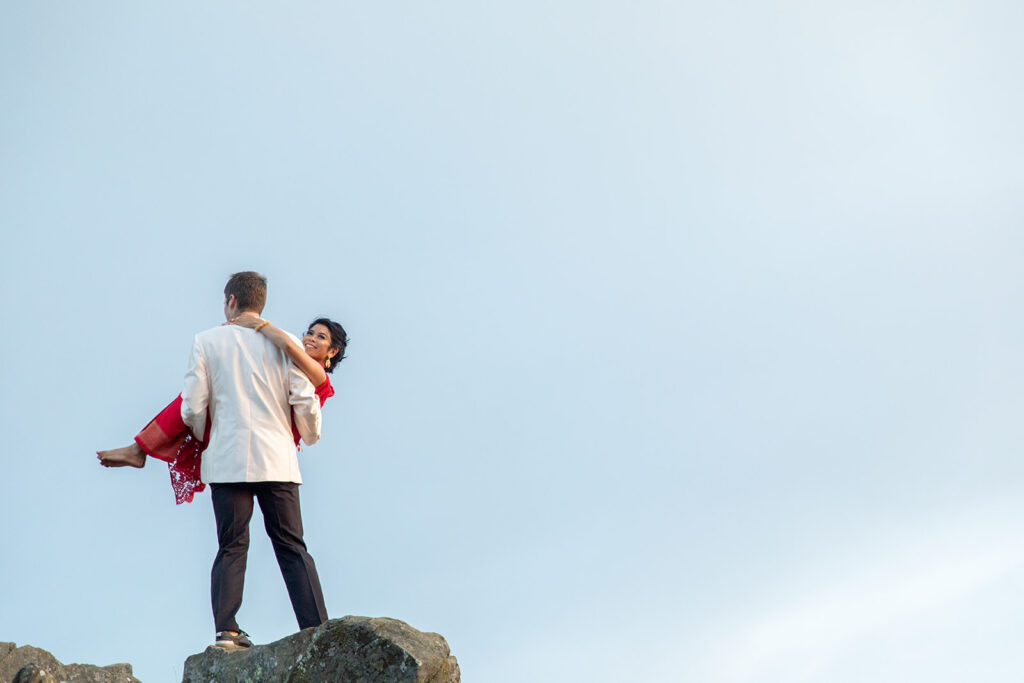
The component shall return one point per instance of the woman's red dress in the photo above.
(167, 438)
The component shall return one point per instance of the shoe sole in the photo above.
(230, 647)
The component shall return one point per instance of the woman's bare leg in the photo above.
(129, 456)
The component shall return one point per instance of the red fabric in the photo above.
(323, 392)
(167, 438)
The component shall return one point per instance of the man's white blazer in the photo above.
(251, 390)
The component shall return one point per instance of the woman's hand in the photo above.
(250, 320)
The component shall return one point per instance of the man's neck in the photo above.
(232, 313)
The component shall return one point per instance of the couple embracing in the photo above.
(251, 392)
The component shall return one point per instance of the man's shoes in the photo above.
(229, 640)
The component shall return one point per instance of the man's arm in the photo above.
(195, 398)
(305, 405)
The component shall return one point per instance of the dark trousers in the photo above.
(282, 518)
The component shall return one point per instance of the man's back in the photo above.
(251, 389)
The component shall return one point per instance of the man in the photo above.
(252, 392)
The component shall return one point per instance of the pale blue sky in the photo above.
(685, 336)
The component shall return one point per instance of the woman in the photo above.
(167, 438)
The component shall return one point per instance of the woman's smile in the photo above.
(317, 343)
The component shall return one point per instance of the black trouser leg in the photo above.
(232, 508)
(282, 518)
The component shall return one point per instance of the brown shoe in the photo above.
(229, 640)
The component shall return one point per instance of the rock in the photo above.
(31, 673)
(349, 650)
(28, 664)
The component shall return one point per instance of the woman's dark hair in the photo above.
(339, 340)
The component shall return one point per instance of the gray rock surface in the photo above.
(28, 664)
(350, 650)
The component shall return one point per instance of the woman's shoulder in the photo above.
(325, 390)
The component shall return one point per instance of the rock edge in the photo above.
(27, 664)
(350, 649)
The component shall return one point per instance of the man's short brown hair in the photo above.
(250, 290)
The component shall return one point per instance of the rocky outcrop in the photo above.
(350, 650)
(31, 665)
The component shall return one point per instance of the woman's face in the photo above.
(317, 343)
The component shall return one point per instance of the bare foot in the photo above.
(129, 456)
